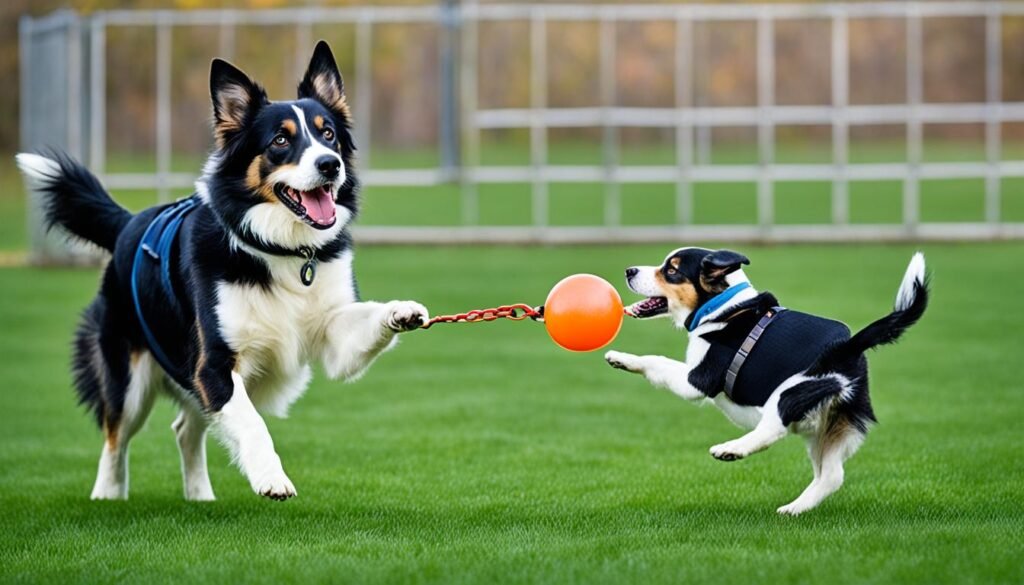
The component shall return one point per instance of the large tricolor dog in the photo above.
(770, 370)
(222, 300)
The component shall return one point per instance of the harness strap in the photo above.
(748, 346)
(156, 245)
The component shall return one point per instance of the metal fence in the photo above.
(74, 49)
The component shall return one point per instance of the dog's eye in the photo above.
(280, 140)
(328, 134)
(671, 271)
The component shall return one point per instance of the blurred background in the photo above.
(487, 122)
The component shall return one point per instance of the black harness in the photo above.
(781, 344)
(748, 346)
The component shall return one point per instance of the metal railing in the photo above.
(85, 39)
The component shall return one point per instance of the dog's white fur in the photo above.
(277, 331)
(112, 475)
(36, 168)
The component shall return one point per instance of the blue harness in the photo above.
(155, 246)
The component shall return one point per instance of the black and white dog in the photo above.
(254, 281)
(770, 370)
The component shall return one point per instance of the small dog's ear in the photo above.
(236, 98)
(323, 82)
(717, 265)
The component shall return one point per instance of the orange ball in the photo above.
(583, 312)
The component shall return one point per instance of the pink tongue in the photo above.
(319, 205)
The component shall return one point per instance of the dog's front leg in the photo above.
(246, 435)
(660, 371)
(359, 332)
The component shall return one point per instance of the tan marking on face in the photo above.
(684, 293)
(197, 380)
(675, 262)
(290, 127)
(318, 121)
(254, 181)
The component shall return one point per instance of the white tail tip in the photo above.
(38, 169)
(915, 274)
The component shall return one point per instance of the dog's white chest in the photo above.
(277, 330)
(745, 417)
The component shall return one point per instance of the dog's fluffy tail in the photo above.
(73, 198)
(911, 302)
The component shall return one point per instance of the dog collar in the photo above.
(715, 303)
(307, 272)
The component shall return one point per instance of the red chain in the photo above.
(516, 312)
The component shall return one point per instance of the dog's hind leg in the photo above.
(190, 431)
(828, 451)
(768, 431)
(127, 404)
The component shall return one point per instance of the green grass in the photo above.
(483, 453)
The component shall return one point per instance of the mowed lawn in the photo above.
(483, 453)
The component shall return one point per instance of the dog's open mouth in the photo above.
(315, 207)
(649, 307)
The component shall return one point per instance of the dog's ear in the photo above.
(236, 98)
(717, 265)
(323, 82)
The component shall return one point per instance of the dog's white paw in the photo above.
(792, 509)
(108, 492)
(623, 361)
(729, 451)
(275, 486)
(406, 316)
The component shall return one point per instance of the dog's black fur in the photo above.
(262, 148)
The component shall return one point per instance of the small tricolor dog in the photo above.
(770, 370)
(222, 300)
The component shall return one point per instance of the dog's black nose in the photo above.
(631, 272)
(328, 166)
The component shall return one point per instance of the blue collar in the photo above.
(715, 303)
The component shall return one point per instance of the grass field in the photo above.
(482, 453)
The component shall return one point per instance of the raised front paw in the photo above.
(406, 316)
(729, 451)
(623, 361)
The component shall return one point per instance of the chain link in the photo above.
(516, 312)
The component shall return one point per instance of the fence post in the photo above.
(610, 134)
(54, 111)
(449, 115)
(766, 127)
(915, 94)
(470, 161)
(163, 106)
(993, 126)
(98, 95)
(684, 129)
(840, 129)
(538, 126)
(364, 87)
